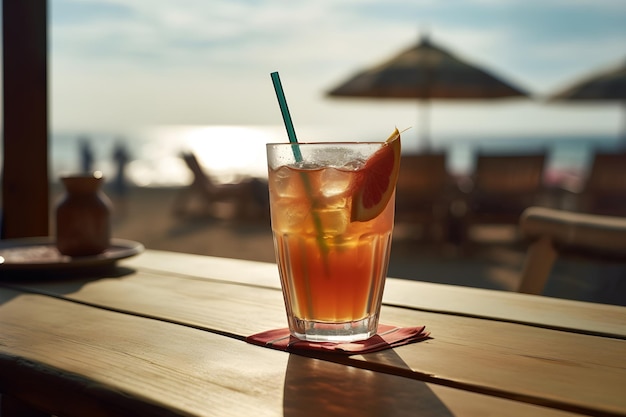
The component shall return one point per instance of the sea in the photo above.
(229, 153)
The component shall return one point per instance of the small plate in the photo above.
(40, 253)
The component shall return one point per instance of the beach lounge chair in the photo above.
(423, 194)
(604, 191)
(247, 199)
(503, 186)
(553, 233)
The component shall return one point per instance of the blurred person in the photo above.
(121, 157)
(86, 155)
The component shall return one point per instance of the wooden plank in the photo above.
(74, 360)
(568, 315)
(25, 119)
(499, 358)
(581, 373)
(211, 267)
(575, 316)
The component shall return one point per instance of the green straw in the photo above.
(291, 132)
(282, 102)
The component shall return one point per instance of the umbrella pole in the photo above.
(623, 141)
(425, 127)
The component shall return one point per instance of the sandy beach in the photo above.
(494, 260)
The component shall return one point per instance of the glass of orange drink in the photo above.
(332, 214)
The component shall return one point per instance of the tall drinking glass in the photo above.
(332, 241)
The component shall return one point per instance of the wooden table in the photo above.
(163, 334)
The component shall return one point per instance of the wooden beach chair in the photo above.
(604, 191)
(423, 194)
(503, 186)
(247, 199)
(556, 233)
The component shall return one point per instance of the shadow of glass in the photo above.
(316, 387)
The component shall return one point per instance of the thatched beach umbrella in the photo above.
(424, 72)
(608, 85)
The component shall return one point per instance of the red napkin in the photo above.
(387, 337)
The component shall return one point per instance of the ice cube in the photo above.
(334, 221)
(290, 215)
(281, 182)
(334, 182)
(307, 165)
(353, 165)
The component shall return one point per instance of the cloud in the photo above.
(72, 12)
(209, 61)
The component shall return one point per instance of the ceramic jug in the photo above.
(83, 216)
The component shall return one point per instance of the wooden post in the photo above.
(25, 194)
(537, 266)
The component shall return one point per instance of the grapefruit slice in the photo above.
(374, 183)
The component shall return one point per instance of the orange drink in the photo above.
(332, 220)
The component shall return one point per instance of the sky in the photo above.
(119, 64)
